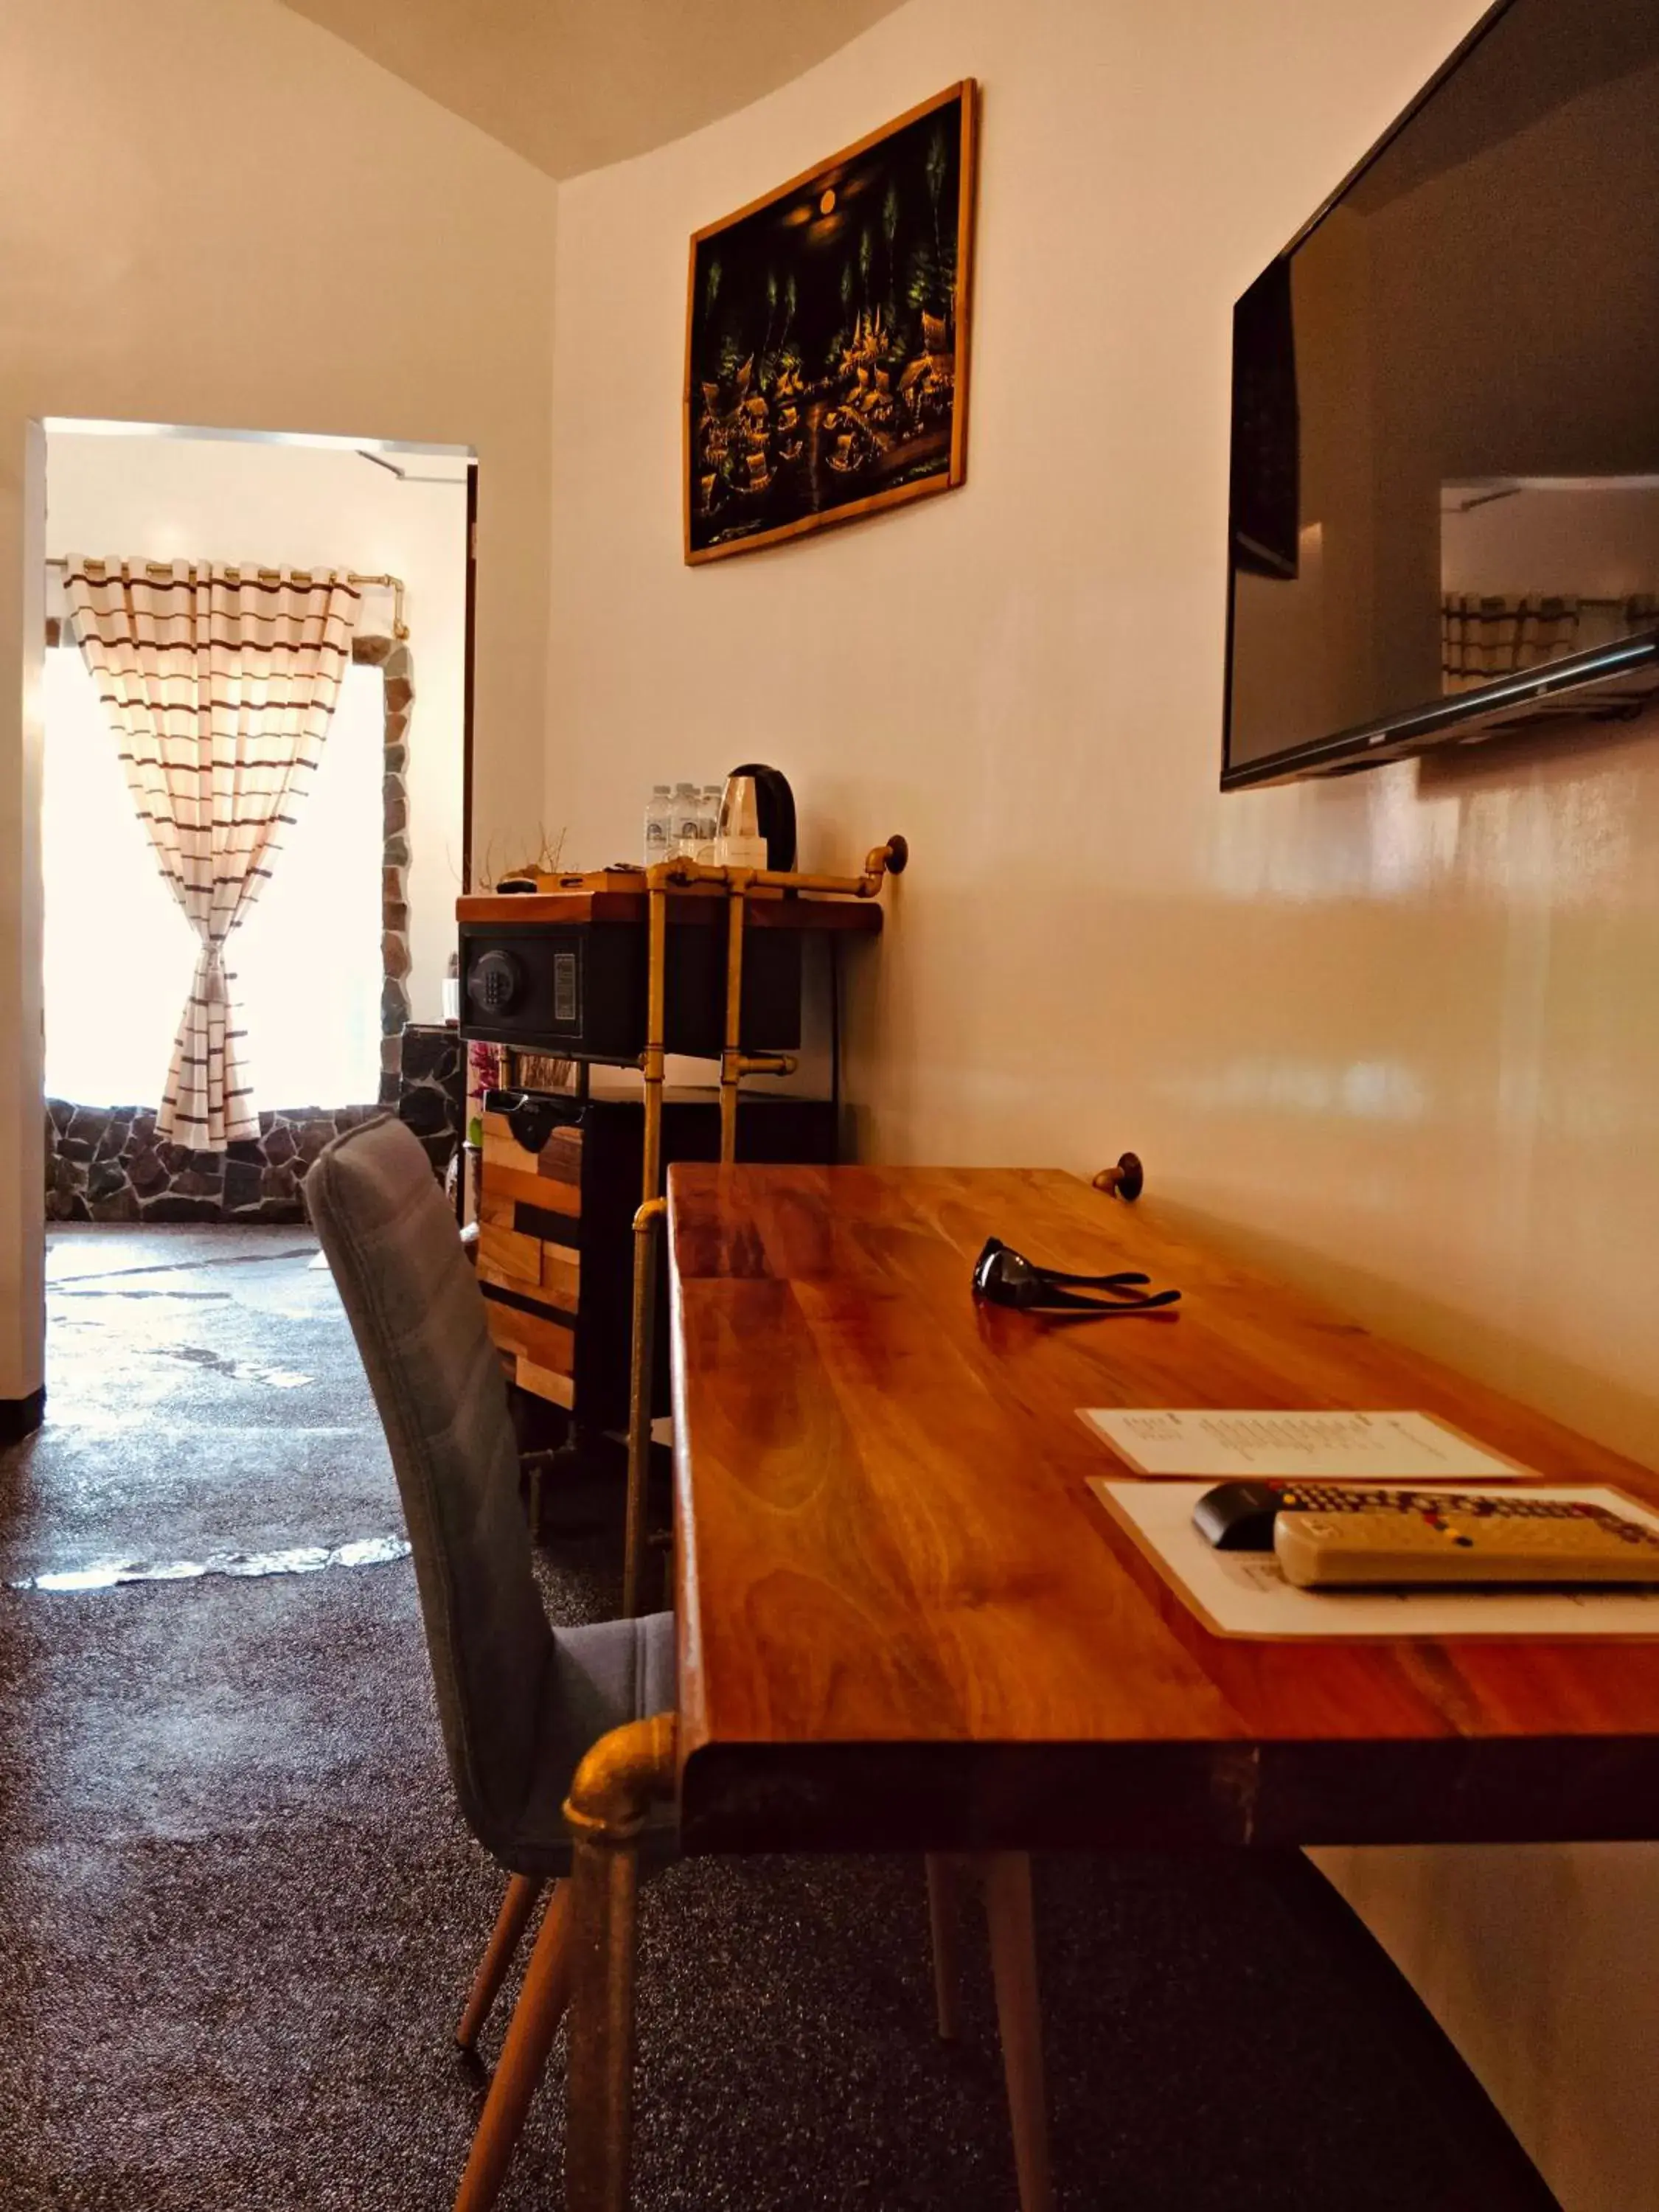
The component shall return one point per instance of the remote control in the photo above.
(1518, 1540)
(1239, 1516)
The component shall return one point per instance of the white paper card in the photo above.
(1245, 1593)
(1319, 1447)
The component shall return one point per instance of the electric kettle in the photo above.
(757, 803)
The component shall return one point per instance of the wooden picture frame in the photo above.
(827, 332)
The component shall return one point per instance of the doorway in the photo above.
(345, 945)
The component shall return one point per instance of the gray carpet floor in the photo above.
(237, 1911)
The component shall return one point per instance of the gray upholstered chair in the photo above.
(521, 1702)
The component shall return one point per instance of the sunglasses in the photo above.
(1003, 1277)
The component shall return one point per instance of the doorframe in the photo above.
(469, 667)
(22, 1236)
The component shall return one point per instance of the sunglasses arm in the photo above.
(1070, 1303)
(1093, 1282)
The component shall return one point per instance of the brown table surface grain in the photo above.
(905, 1621)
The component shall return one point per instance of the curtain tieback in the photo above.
(211, 971)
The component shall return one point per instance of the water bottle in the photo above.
(687, 826)
(659, 825)
(709, 824)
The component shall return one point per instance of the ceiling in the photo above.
(571, 84)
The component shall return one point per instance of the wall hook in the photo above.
(1127, 1180)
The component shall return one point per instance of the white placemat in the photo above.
(1245, 1593)
(1319, 1447)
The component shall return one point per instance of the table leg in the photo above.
(1013, 1968)
(653, 1067)
(731, 1056)
(642, 1366)
(944, 1884)
(623, 1776)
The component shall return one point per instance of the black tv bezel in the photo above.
(1466, 716)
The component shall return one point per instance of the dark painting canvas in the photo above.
(827, 340)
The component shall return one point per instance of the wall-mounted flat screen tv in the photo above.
(1444, 500)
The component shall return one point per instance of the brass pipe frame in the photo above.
(641, 1360)
(656, 1021)
(651, 1208)
(622, 1777)
(881, 861)
(731, 1056)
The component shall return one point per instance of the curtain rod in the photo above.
(234, 575)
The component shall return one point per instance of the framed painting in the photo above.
(826, 339)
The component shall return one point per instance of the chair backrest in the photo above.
(418, 1316)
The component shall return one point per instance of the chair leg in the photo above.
(1013, 1967)
(535, 2022)
(516, 1907)
(943, 1883)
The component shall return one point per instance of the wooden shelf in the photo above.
(694, 906)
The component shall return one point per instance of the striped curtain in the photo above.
(219, 684)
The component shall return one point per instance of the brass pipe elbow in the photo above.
(1127, 1180)
(624, 1775)
(893, 857)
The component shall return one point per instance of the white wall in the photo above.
(1397, 1034)
(1600, 542)
(165, 499)
(213, 212)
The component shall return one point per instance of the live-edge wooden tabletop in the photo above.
(905, 1621)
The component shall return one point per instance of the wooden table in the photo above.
(905, 1621)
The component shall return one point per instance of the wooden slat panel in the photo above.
(516, 1259)
(502, 1149)
(545, 1192)
(542, 1383)
(561, 1276)
(562, 1228)
(561, 1156)
(549, 1343)
(497, 1281)
(494, 1211)
(562, 1292)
